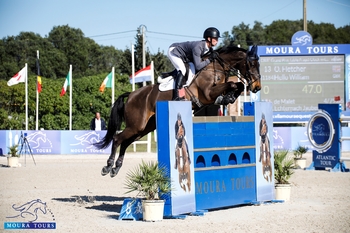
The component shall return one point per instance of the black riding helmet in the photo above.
(211, 32)
(179, 117)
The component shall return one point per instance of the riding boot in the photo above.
(178, 85)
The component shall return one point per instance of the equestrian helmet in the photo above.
(211, 32)
(179, 117)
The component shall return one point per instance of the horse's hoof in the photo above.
(114, 171)
(105, 170)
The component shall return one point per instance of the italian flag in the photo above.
(106, 83)
(65, 85)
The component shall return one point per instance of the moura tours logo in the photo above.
(25, 216)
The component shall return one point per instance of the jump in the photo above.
(210, 85)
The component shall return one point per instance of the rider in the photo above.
(192, 51)
(179, 123)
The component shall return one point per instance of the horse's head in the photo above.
(252, 70)
(247, 62)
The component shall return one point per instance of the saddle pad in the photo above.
(166, 84)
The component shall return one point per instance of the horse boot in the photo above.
(178, 85)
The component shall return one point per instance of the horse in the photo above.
(182, 162)
(265, 152)
(209, 85)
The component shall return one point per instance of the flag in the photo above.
(39, 84)
(142, 75)
(65, 85)
(38, 76)
(106, 83)
(20, 77)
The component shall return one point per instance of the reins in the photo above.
(231, 71)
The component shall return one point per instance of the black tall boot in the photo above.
(178, 85)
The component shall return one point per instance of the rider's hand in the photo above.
(214, 55)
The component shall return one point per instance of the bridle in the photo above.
(231, 71)
(228, 71)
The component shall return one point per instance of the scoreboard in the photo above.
(300, 83)
(298, 77)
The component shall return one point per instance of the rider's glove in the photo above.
(214, 55)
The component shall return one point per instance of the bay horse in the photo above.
(182, 160)
(265, 151)
(208, 86)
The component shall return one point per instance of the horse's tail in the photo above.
(115, 121)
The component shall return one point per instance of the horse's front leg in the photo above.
(110, 161)
(231, 92)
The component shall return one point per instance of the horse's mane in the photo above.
(230, 49)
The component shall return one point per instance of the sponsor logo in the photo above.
(26, 216)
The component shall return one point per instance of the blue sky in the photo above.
(166, 21)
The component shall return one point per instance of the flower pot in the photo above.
(300, 163)
(282, 191)
(153, 210)
(12, 161)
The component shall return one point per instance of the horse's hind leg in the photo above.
(110, 161)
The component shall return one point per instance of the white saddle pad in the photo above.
(166, 84)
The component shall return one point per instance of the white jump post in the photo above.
(149, 135)
(342, 159)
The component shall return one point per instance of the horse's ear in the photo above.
(253, 52)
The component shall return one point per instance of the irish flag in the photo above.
(20, 77)
(106, 83)
(65, 85)
(142, 75)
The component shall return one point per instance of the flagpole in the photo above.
(37, 98)
(70, 97)
(152, 72)
(26, 87)
(112, 85)
(133, 67)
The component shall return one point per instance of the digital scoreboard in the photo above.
(300, 83)
(297, 78)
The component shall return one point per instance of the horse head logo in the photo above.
(29, 210)
(89, 138)
(39, 139)
(302, 38)
(319, 128)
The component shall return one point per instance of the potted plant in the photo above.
(152, 183)
(13, 159)
(299, 161)
(284, 169)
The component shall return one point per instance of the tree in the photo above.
(92, 63)
(74, 46)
